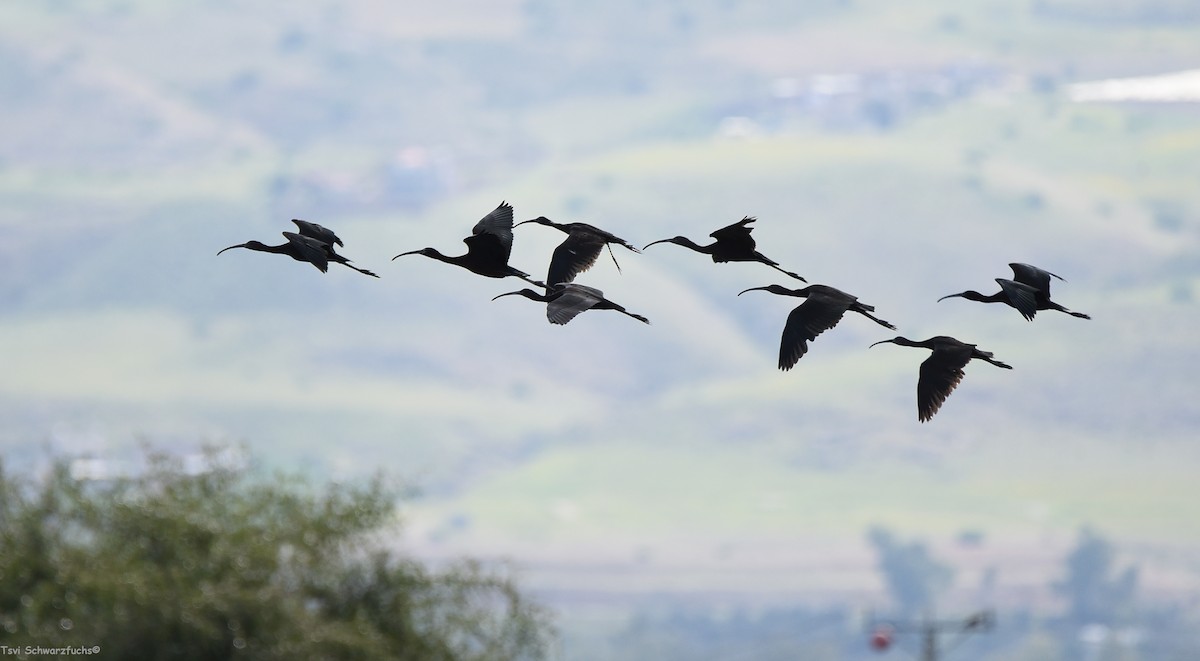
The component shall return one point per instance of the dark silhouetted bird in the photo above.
(303, 249)
(942, 371)
(578, 252)
(318, 232)
(733, 244)
(1027, 292)
(488, 248)
(981, 620)
(822, 310)
(566, 301)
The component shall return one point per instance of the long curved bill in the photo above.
(752, 289)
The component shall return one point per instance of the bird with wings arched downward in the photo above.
(568, 300)
(942, 371)
(579, 251)
(821, 310)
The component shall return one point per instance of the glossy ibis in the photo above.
(578, 252)
(488, 248)
(566, 301)
(822, 309)
(1027, 292)
(303, 249)
(942, 371)
(733, 244)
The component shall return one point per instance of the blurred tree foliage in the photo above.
(913, 576)
(221, 562)
(1093, 594)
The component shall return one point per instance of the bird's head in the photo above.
(677, 240)
(252, 245)
(428, 252)
(540, 220)
(775, 289)
(969, 295)
(527, 293)
(899, 340)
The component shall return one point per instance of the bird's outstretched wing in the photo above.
(576, 254)
(318, 232)
(1033, 276)
(498, 223)
(310, 250)
(1024, 297)
(814, 316)
(940, 374)
(574, 300)
(737, 233)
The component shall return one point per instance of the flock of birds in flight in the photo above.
(490, 245)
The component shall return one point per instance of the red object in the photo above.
(881, 638)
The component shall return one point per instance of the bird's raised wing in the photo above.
(574, 300)
(1033, 276)
(941, 373)
(487, 251)
(309, 249)
(737, 233)
(498, 223)
(576, 254)
(318, 232)
(1024, 297)
(814, 316)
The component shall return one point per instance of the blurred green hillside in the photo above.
(898, 151)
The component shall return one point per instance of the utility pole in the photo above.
(883, 634)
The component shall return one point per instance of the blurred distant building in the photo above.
(867, 100)
(1178, 87)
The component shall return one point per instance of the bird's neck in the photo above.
(688, 243)
(434, 254)
(972, 295)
